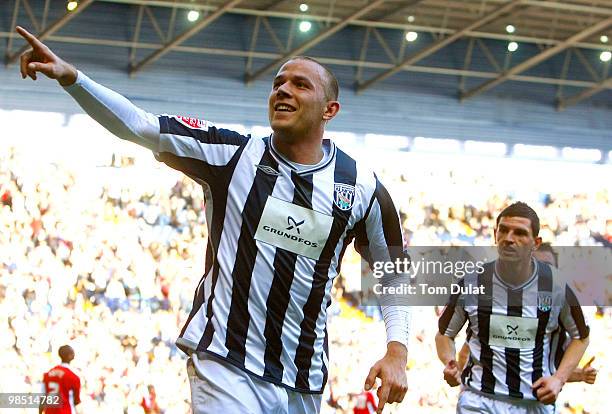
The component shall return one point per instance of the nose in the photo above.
(283, 90)
(510, 237)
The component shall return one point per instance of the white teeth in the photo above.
(283, 107)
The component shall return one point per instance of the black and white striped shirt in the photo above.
(510, 328)
(277, 235)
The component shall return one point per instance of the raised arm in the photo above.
(110, 109)
(186, 144)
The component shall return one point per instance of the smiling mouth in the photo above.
(282, 107)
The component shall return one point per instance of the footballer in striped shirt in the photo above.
(510, 327)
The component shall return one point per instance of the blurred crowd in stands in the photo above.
(110, 267)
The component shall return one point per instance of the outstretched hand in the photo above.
(588, 373)
(391, 369)
(41, 59)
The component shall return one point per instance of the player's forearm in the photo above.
(397, 323)
(571, 358)
(462, 357)
(445, 347)
(115, 113)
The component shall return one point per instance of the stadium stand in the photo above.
(97, 260)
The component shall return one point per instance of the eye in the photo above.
(301, 84)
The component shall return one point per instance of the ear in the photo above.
(331, 110)
(537, 243)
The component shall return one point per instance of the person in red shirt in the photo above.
(149, 402)
(365, 403)
(61, 380)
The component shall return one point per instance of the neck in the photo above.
(307, 152)
(515, 273)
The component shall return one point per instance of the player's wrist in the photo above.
(397, 349)
(69, 77)
(447, 358)
(560, 377)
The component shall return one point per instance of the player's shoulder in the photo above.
(70, 371)
(558, 284)
(192, 126)
(60, 374)
(365, 177)
(54, 369)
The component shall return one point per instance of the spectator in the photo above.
(98, 238)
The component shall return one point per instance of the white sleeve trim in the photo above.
(397, 323)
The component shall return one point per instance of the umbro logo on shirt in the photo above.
(267, 169)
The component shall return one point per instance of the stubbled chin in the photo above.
(282, 120)
(281, 126)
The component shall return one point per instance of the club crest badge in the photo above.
(544, 301)
(193, 122)
(344, 196)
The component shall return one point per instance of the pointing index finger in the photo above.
(32, 40)
(383, 397)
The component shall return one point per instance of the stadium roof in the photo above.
(568, 36)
